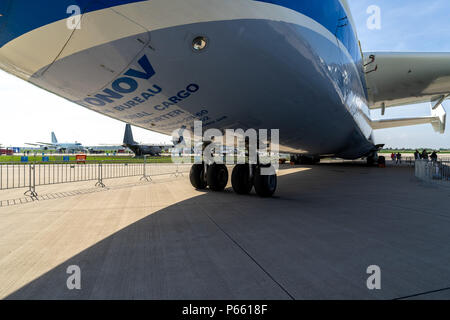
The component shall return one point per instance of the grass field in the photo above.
(129, 159)
(93, 158)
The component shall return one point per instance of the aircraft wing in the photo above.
(46, 144)
(395, 79)
(437, 119)
(161, 145)
(40, 144)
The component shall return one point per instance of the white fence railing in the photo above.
(437, 172)
(32, 175)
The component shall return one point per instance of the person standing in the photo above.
(399, 158)
(434, 156)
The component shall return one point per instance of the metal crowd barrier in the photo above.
(437, 172)
(405, 161)
(32, 175)
(411, 161)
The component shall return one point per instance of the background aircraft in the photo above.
(142, 149)
(60, 146)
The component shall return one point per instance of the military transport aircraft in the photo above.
(140, 149)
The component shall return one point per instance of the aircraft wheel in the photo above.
(217, 177)
(265, 185)
(241, 179)
(315, 160)
(197, 176)
(305, 160)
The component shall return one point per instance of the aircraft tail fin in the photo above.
(128, 137)
(54, 140)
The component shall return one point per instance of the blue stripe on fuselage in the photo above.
(330, 14)
(21, 16)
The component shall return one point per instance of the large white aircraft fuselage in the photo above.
(271, 64)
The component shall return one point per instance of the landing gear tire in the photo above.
(241, 179)
(316, 160)
(197, 177)
(305, 160)
(217, 177)
(371, 161)
(265, 185)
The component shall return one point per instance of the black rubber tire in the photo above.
(265, 185)
(241, 180)
(217, 177)
(196, 176)
(305, 160)
(294, 160)
(382, 160)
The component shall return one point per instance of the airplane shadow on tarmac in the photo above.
(315, 240)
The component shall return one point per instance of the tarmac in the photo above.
(165, 240)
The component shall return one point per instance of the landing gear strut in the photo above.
(305, 160)
(374, 159)
(244, 177)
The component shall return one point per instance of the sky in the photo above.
(29, 114)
